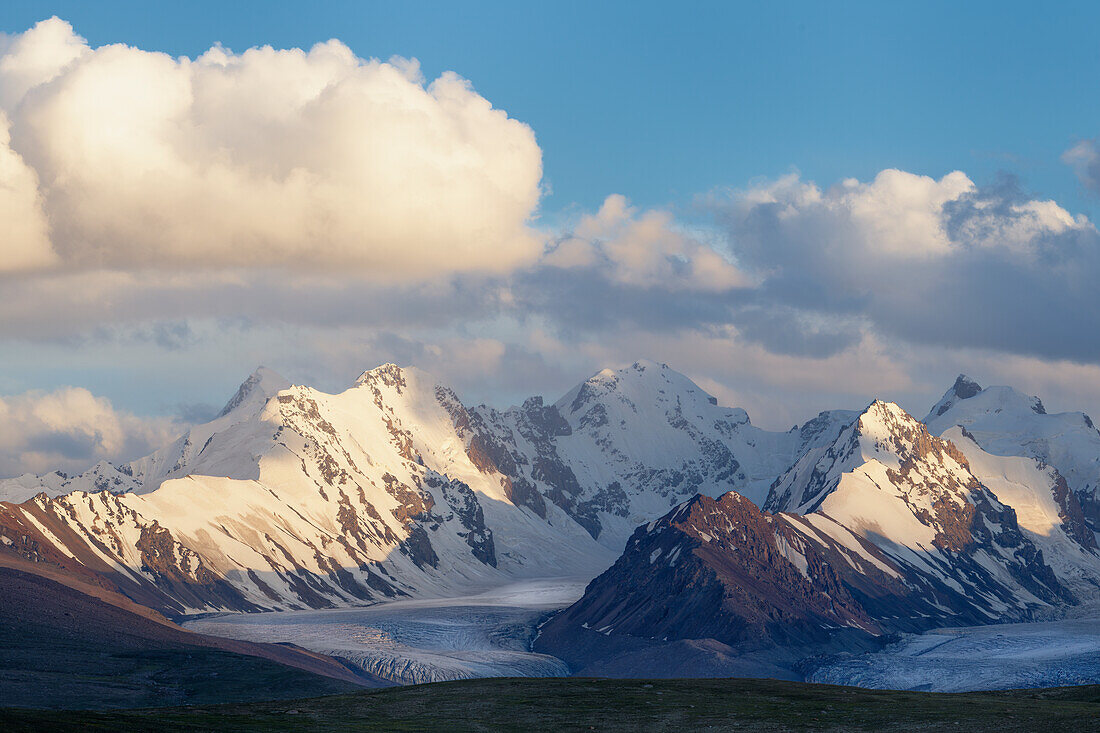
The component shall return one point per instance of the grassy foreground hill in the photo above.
(609, 705)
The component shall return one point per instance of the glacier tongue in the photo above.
(411, 642)
(1000, 657)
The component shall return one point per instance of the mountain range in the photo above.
(694, 523)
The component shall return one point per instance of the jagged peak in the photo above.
(388, 373)
(263, 381)
(965, 387)
(401, 380)
(883, 410)
(888, 423)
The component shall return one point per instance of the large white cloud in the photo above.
(898, 216)
(69, 428)
(314, 159)
(25, 241)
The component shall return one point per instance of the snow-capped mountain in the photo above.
(179, 458)
(916, 497)
(624, 446)
(1006, 422)
(294, 498)
(103, 476)
(297, 498)
(885, 528)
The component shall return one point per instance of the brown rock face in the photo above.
(491, 455)
(720, 569)
(1072, 515)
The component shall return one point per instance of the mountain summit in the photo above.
(1007, 422)
(963, 389)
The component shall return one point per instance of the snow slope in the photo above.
(1006, 422)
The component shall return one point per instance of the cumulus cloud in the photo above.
(941, 262)
(124, 158)
(1084, 158)
(69, 429)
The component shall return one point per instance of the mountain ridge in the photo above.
(295, 498)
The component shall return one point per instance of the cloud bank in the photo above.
(938, 262)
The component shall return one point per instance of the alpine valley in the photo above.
(712, 547)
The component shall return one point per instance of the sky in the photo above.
(801, 206)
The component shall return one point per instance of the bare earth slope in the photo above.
(61, 648)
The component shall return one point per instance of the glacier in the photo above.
(425, 640)
(966, 659)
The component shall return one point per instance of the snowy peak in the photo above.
(261, 385)
(883, 433)
(892, 436)
(626, 389)
(887, 480)
(966, 395)
(388, 375)
(963, 389)
(1006, 422)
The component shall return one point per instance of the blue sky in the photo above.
(660, 101)
(762, 195)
